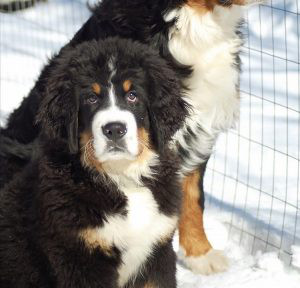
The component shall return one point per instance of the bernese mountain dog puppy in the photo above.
(200, 40)
(98, 204)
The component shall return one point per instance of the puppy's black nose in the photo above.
(114, 130)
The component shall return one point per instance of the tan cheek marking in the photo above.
(127, 85)
(202, 6)
(145, 150)
(87, 152)
(240, 2)
(191, 231)
(150, 285)
(93, 241)
(144, 145)
(96, 88)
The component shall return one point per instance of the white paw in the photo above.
(214, 261)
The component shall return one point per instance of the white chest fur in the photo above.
(208, 42)
(136, 233)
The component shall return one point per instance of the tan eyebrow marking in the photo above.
(127, 85)
(96, 88)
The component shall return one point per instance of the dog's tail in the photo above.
(12, 148)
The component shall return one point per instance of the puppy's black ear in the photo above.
(167, 108)
(73, 130)
(58, 111)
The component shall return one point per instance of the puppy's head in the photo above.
(113, 98)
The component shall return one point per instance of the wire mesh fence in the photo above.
(254, 175)
(253, 178)
(28, 37)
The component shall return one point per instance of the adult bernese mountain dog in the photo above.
(101, 211)
(199, 40)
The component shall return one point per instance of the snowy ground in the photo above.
(253, 181)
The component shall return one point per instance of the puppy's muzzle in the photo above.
(114, 131)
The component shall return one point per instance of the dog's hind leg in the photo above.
(198, 253)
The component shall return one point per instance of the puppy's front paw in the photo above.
(214, 261)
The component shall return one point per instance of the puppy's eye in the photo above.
(92, 99)
(131, 97)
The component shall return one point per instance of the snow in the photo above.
(253, 179)
(296, 256)
(28, 39)
(246, 271)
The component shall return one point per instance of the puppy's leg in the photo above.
(162, 273)
(199, 255)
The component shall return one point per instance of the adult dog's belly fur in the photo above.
(209, 43)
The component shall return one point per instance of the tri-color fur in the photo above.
(102, 211)
(200, 41)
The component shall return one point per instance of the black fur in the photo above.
(140, 20)
(44, 207)
(14, 156)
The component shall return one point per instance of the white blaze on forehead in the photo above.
(112, 95)
(112, 70)
(112, 65)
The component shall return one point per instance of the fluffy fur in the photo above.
(74, 218)
(199, 39)
(190, 34)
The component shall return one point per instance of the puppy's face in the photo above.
(113, 113)
(111, 100)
